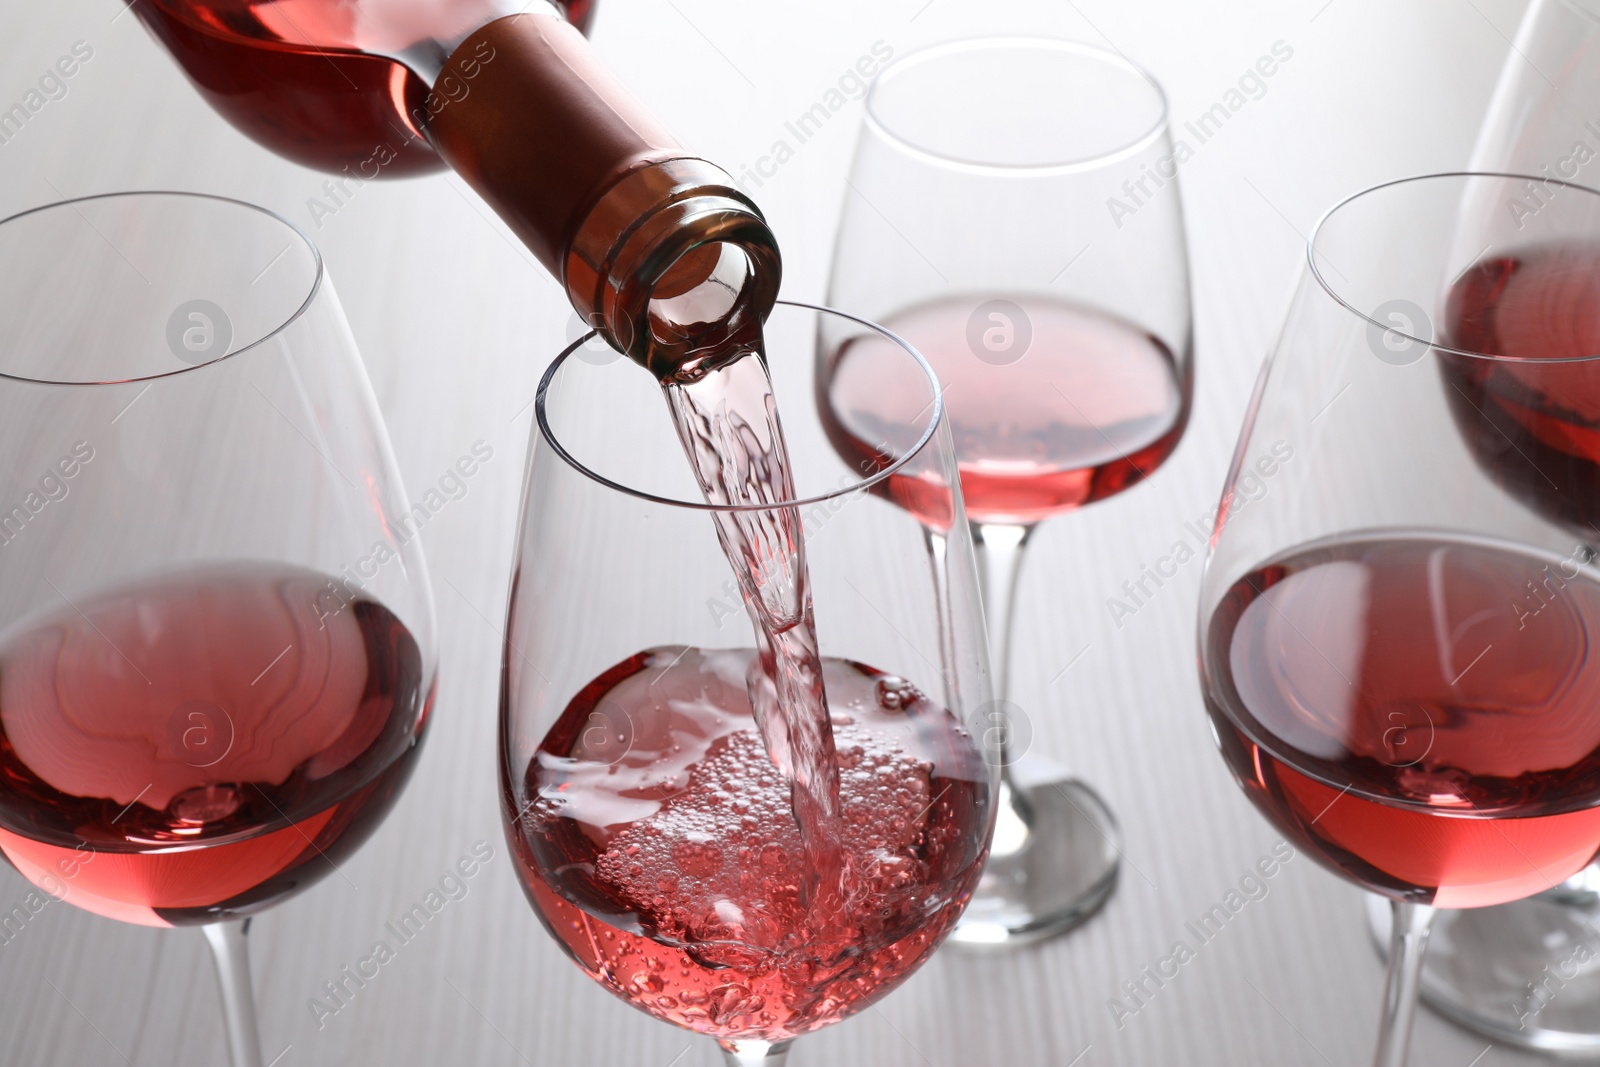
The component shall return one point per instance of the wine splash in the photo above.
(651, 836)
(727, 419)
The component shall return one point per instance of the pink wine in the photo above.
(1091, 406)
(1534, 425)
(299, 76)
(201, 745)
(727, 421)
(1422, 715)
(655, 840)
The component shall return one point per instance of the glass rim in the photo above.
(934, 422)
(1137, 143)
(311, 292)
(1332, 291)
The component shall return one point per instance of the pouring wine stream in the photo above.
(728, 422)
(726, 416)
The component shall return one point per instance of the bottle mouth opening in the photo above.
(668, 258)
(695, 308)
(689, 282)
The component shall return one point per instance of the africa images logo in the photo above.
(199, 331)
(999, 332)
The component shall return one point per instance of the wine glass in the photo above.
(1394, 650)
(1526, 973)
(654, 835)
(216, 631)
(1013, 213)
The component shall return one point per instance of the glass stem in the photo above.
(999, 550)
(1408, 940)
(939, 559)
(231, 955)
(755, 1053)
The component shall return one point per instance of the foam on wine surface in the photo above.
(1418, 713)
(655, 840)
(203, 743)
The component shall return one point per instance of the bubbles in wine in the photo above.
(675, 873)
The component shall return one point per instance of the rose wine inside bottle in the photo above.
(511, 96)
(314, 81)
(205, 743)
(654, 838)
(1417, 712)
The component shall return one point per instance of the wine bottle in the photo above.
(656, 247)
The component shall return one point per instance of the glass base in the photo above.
(1052, 865)
(1525, 974)
(755, 1053)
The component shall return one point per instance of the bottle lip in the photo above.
(670, 206)
(935, 421)
(678, 230)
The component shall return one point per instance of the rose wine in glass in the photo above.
(1394, 649)
(216, 634)
(1095, 406)
(1417, 712)
(659, 845)
(198, 746)
(977, 228)
(748, 840)
(1534, 419)
(1539, 123)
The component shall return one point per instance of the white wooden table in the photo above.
(456, 323)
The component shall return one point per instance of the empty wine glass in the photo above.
(1013, 213)
(1528, 973)
(1395, 650)
(650, 823)
(216, 632)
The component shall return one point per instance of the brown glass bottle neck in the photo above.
(527, 113)
(604, 196)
